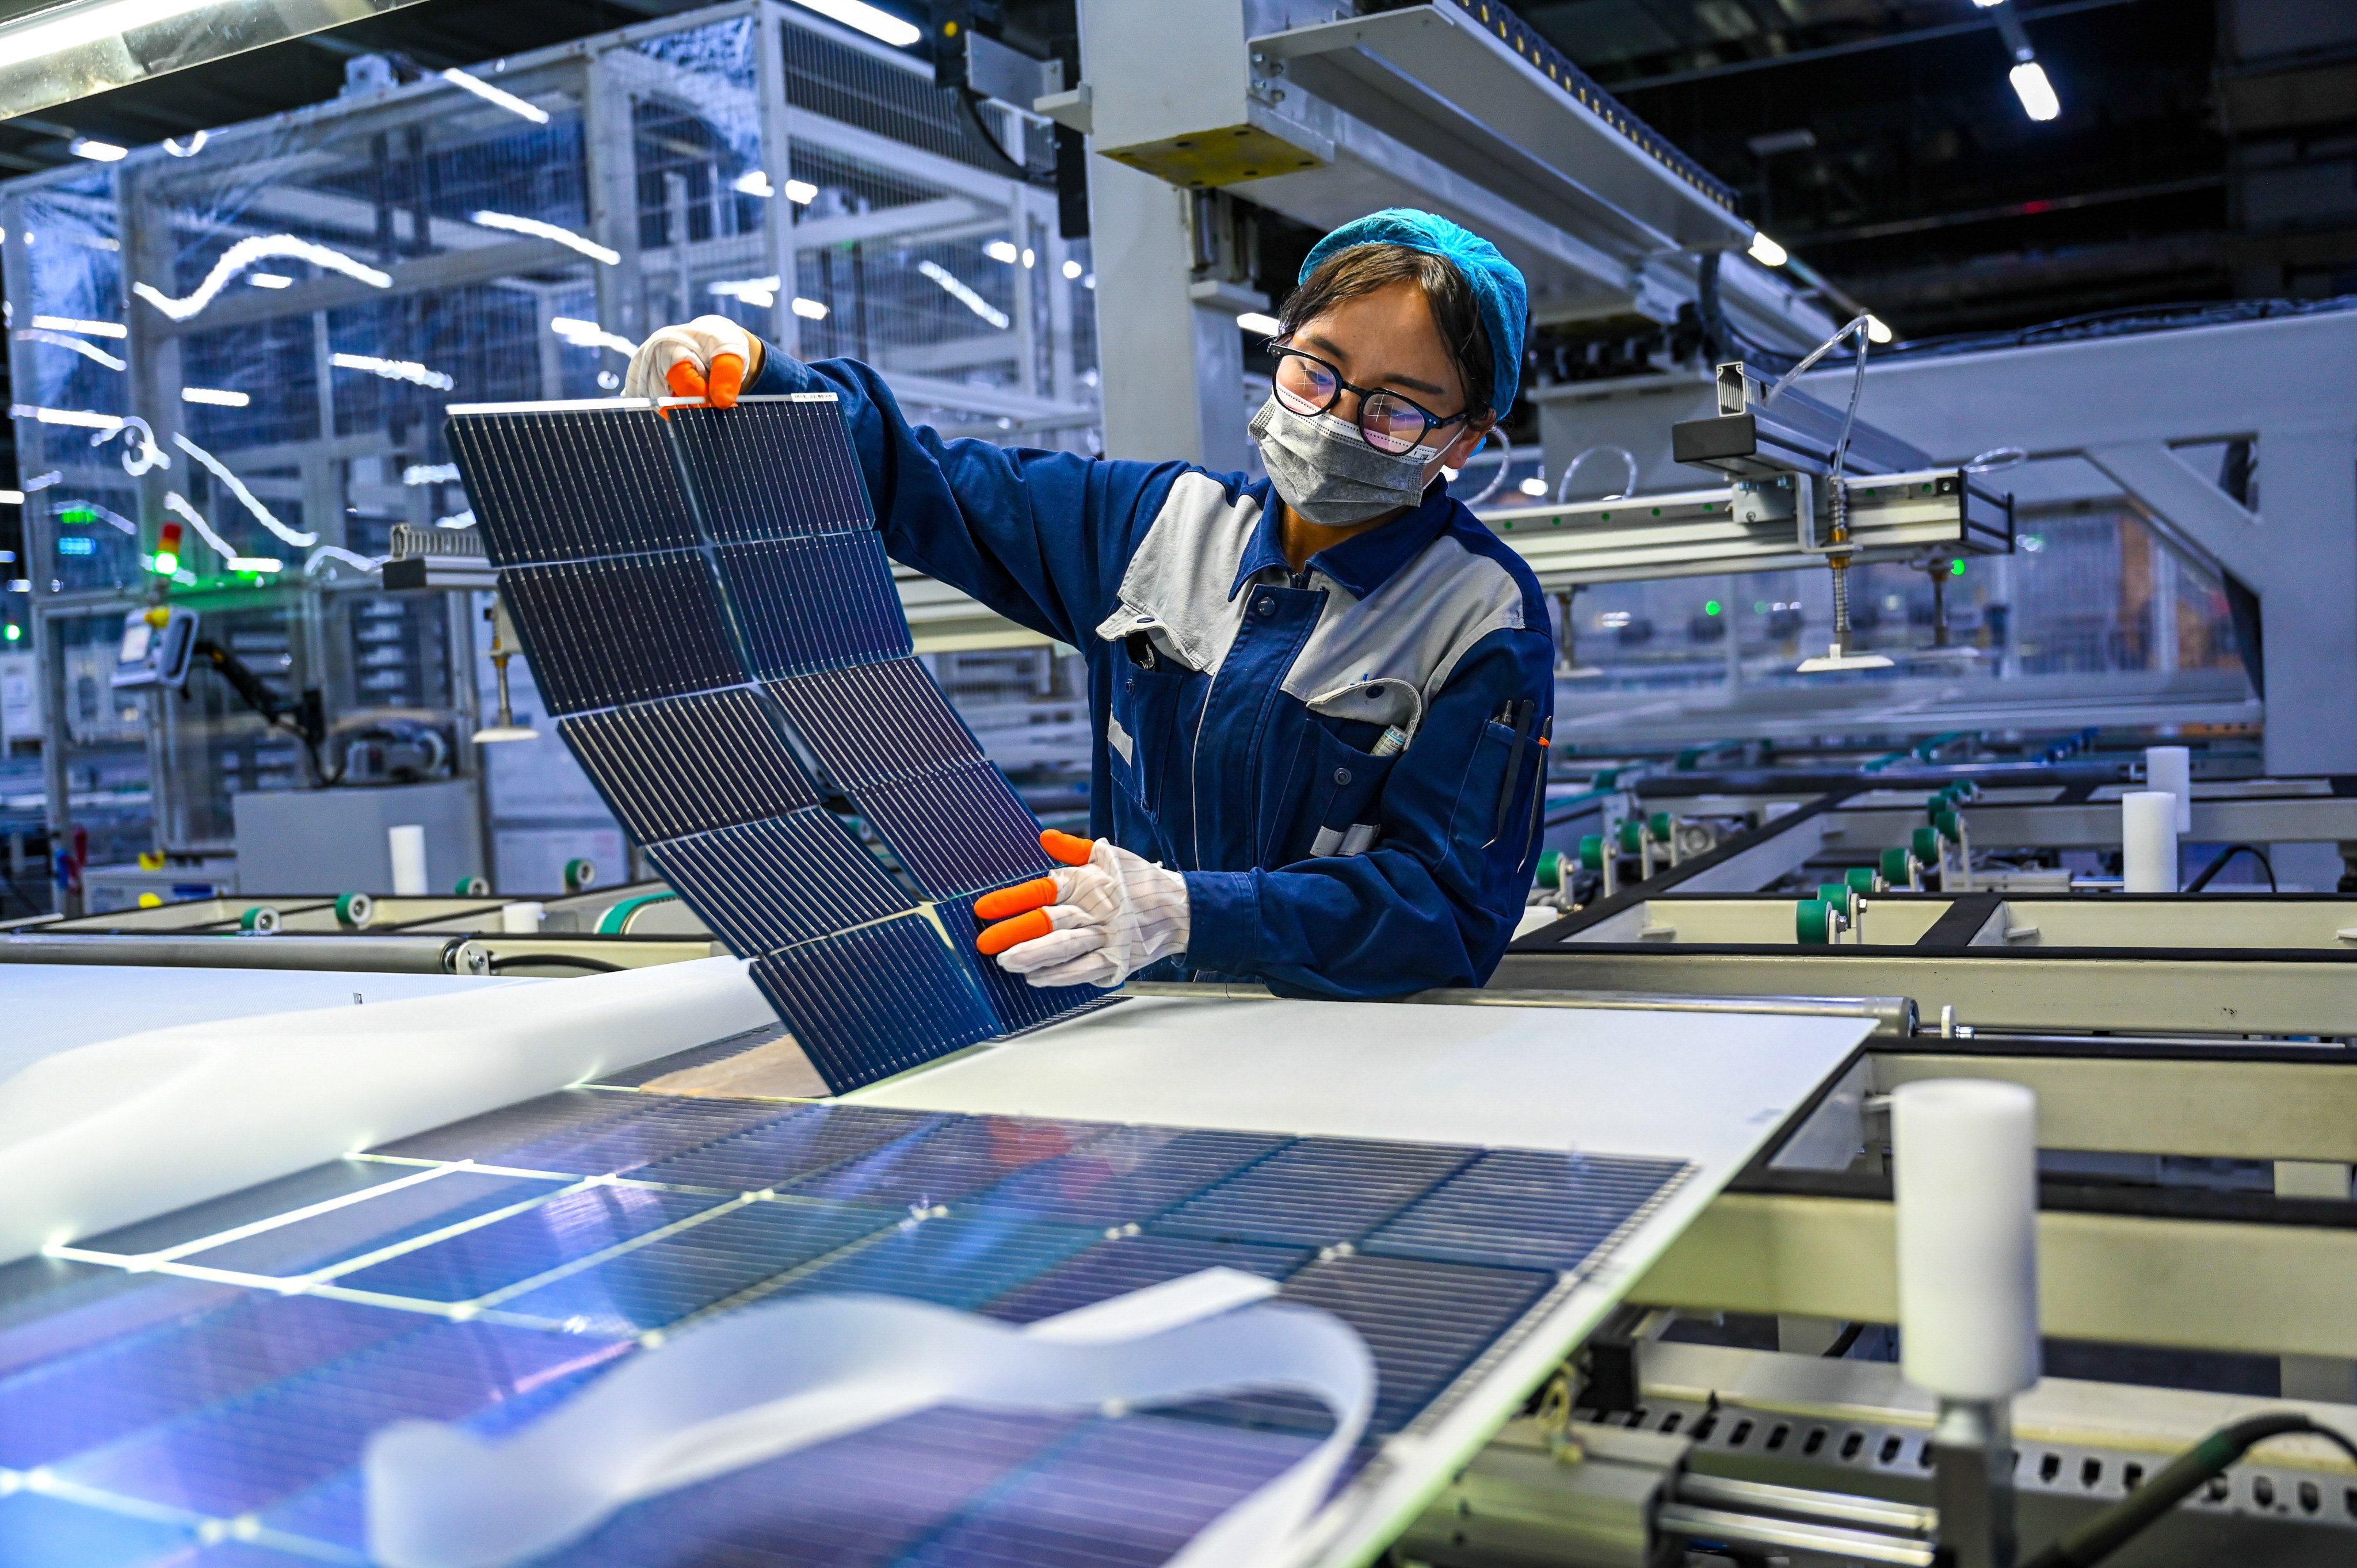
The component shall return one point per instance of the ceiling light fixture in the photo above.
(2037, 93)
(499, 95)
(97, 152)
(244, 253)
(869, 19)
(2038, 97)
(540, 231)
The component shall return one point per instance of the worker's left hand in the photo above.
(710, 357)
(1096, 920)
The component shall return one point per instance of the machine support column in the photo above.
(1972, 1482)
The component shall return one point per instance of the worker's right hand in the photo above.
(710, 357)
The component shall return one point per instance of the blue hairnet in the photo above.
(1499, 291)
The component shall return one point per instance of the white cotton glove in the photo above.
(686, 362)
(1111, 917)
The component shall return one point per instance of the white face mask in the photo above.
(1324, 469)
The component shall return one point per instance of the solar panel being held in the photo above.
(705, 598)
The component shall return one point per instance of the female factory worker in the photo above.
(1272, 665)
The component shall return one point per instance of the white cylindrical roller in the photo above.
(522, 919)
(408, 844)
(2148, 841)
(2171, 767)
(1964, 1169)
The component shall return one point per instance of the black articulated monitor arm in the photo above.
(305, 718)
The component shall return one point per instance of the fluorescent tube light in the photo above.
(97, 152)
(2037, 93)
(540, 231)
(218, 397)
(876, 23)
(959, 291)
(810, 309)
(501, 96)
(72, 324)
(1257, 322)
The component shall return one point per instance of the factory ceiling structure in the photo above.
(774, 786)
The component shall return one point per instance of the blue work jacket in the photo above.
(1238, 705)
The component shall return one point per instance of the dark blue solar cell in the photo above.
(320, 1184)
(875, 1001)
(1132, 1263)
(813, 602)
(655, 1285)
(628, 629)
(958, 1157)
(53, 1309)
(771, 884)
(1015, 1002)
(1131, 1175)
(566, 484)
(688, 764)
(652, 1127)
(1080, 1504)
(951, 1263)
(237, 1456)
(1317, 1192)
(961, 832)
(164, 1372)
(496, 1137)
(502, 1255)
(873, 721)
(861, 1501)
(769, 467)
(1527, 1207)
(796, 1144)
(1423, 1322)
(385, 1218)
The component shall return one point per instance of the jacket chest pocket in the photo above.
(1341, 797)
(1141, 730)
(1482, 805)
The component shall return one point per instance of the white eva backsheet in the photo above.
(1704, 1087)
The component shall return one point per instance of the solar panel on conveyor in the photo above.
(660, 570)
(221, 1371)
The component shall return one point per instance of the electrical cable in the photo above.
(2114, 1527)
(2218, 865)
(1563, 488)
(971, 102)
(1505, 463)
(561, 960)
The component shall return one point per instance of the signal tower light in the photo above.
(168, 550)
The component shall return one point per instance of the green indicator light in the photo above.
(1955, 568)
(14, 631)
(1710, 606)
(166, 563)
(77, 514)
(1760, 606)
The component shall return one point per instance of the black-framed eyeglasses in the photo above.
(1387, 421)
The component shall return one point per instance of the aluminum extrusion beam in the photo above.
(2161, 992)
(2251, 1289)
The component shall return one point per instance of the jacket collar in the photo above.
(1362, 564)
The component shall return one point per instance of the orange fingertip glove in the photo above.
(1067, 848)
(728, 380)
(1026, 926)
(1036, 893)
